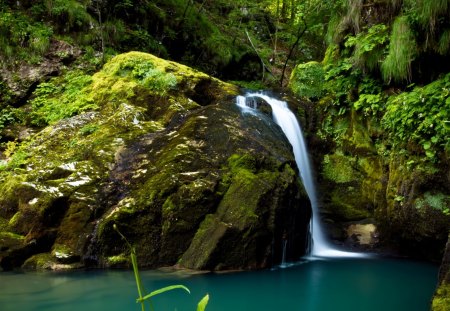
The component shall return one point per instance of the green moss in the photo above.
(10, 236)
(145, 69)
(360, 139)
(348, 204)
(248, 182)
(61, 97)
(246, 161)
(371, 166)
(118, 260)
(340, 168)
(43, 261)
(205, 242)
(8, 193)
(3, 224)
(441, 300)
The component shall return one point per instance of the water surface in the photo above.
(319, 285)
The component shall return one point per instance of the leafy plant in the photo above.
(368, 46)
(21, 38)
(369, 103)
(307, 80)
(140, 288)
(420, 116)
(61, 98)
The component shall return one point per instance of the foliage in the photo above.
(368, 46)
(140, 288)
(21, 38)
(416, 119)
(60, 98)
(428, 12)
(421, 116)
(369, 103)
(69, 15)
(340, 83)
(307, 80)
(10, 115)
(144, 71)
(416, 31)
(17, 160)
(444, 42)
(441, 300)
(402, 51)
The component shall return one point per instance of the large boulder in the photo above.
(162, 151)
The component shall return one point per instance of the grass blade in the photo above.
(164, 289)
(202, 303)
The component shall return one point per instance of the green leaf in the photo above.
(162, 290)
(430, 154)
(202, 303)
(426, 145)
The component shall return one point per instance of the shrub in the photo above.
(307, 80)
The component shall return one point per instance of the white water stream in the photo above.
(284, 117)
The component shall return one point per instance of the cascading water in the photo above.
(284, 117)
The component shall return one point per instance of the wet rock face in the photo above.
(360, 183)
(187, 178)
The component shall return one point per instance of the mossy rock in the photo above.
(56, 189)
(340, 168)
(153, 147)
(47, 261)
(250, 201)
(188, 172)
(348, 204)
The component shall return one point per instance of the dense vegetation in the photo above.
(372, 78)
(251, 41)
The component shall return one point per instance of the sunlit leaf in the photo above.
(164, 289)
(202, 303)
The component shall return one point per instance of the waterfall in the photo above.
(284, 117)
(283, 258)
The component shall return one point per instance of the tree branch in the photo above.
(300, 34)
(264, 67)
